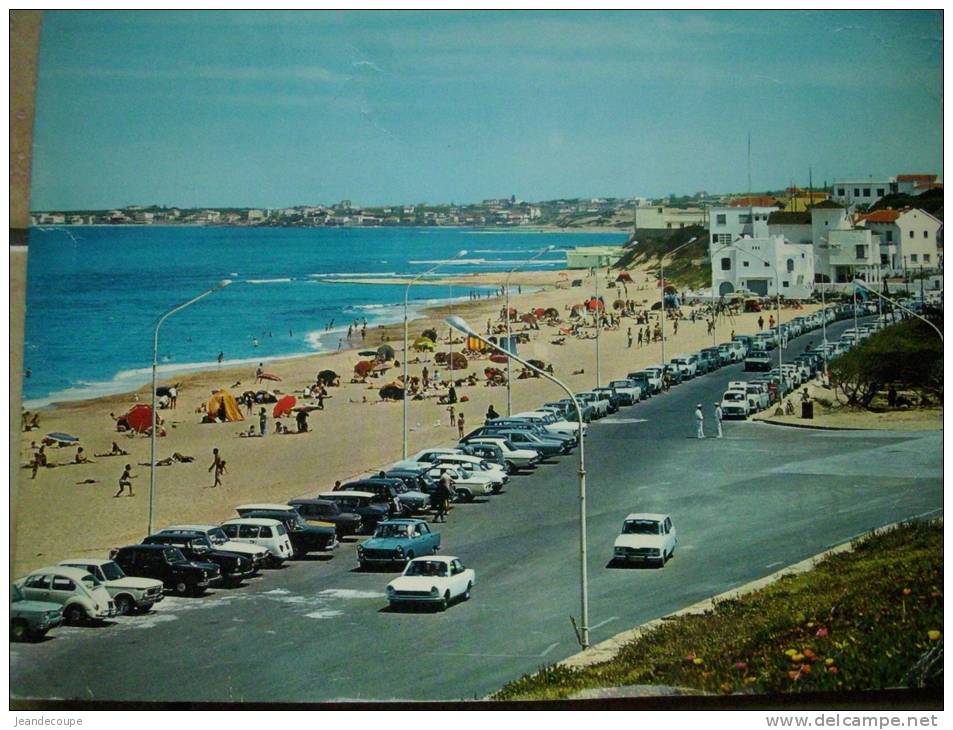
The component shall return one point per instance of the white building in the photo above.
(908, 237)
(728, 223)
(794, 226)
(663, 217)
(862, 192)
(759, 264)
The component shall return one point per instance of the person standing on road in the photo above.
(441, 497)
(719, 415)
(699, 421)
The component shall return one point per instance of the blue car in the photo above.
(398, 541)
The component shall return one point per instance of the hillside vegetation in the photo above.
(680, 269)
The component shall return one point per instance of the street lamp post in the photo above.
(155, 418)
(461, 325)
(506, 289)
(406, 303)
(900, 306)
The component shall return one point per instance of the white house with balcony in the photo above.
(728, 223)
(862, 192)
(908, 237)
(763, 265)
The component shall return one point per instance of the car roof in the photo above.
(199, 528)
(144, 546)
(74, 573)
(252, 521)
(347, 493)
(85, 561)
(436, 558)
(403, 521)
(265, 506)
(657, 516)
(309, 500)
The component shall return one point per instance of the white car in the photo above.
(627, 386)
(80, 593)
(128, 593)
(219, 541)
(647, 537)
(436, 580)
(688, 364)
(516, 458)
(269, 534)
(553, 423)
(467, 485)
(735, 404)
(478, 466)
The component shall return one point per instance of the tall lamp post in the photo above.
(461, 325)
(155, 417)
(506, 290)
(406, 303)
(897, 304)
(661, 283)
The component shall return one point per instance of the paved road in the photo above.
(762, 497)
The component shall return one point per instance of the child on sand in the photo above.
(81, 458)
(460, 425)
(453, 416)
(125, 481)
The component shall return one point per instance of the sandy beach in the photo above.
(62, 514)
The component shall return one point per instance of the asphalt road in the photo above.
(319, 630)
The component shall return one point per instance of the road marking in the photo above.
(603, 623)
(625, 420)
(550, 648)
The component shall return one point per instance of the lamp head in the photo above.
(223, 283)
(460, 324)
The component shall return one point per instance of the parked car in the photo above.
(384, 494)
(600, 405)
(481, 467)
(169, 565)
(646, 538)
(412, 501)
(625, 385)
(516, 458)
(523, 439)
(220, 541)
(326, 510)
(31, 620)
(196, 547)
(81, 595)
(688, 364)
(714, 356)
(366, 504)
(128, 593)
(617, 399)
(466, 484)
(433, 580)
(645, 384)
(491, 452)
(264, 532)
(569, 410)
(398, 541)
(306, 537)
(758, 360)
(551, 423)
(532, 427)
(734, 404)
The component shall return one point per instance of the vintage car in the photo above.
(365, 504)
(169, 565)
(466, 485)
(263, 532)
(234, 567)
(735, 404)
(326, 510)
(81, 595)
(398, 541)
(128, 593)
(30, 620)
(515, 458)
(646, 538)
(220, 541)
(432, 580)
(306, 537)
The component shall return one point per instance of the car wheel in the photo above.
(74, 614)
(510, 467)
(465, 495)
(181, 587)
(445, 601)
(410, 556)
(124, 605)
(435, 549)
(361, 565)
(19, 630)
(466, 593)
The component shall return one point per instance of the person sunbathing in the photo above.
(116, 451)
(81, 458)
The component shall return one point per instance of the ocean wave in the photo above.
(284, 280)
(347, 274)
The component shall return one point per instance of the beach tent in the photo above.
(424, 343)
(385, 353)
(392, 391)
(475, 344)
(624, 276)
(363, 367)
(223, 405)
(284, 406)
(139, 418)
(458, 358)
(430, 334)
(595, 303)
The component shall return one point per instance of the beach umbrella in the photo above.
(60, 439)
(458, 360)
(329, 377)
(430, 334)
(263, 396)
(528, 318)
(163, 391)
(364, 367)
(624, 276)
(551, 312)
(284, 406)
(511, 313)
(595, 303)
(139, 418)
(385, 352)
(539, 312)
(618, 304)
(365, 353)
(424, 343)
(498, 358)
(537, 364)
(392, 391)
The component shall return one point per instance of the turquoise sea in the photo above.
(94, 293)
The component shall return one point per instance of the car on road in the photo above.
(531, 426)
(552, 423)
(326, 510)
(523, 438)
(715, 357)
(220, 541)
(306, 537)
(516, 458)
(81, 595)
(196, 547)
(469, 463)
(647, 537)
(130, 594)
(491, 452)
(385, 493)
(31, 620)
(688, 364)
(267, 533)
(398, 541)
(433, 580)
(565, 409)
(734, 404)
(168, 564)
(467, 485)
(758, 360)
(600, 404)
(617, 399)
(646, 385)
(633, 388)
(366, 504)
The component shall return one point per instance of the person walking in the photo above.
(719, 416)
(760, 323)
(699, 421)
(125, 481)
(441, 497)
(302, 421)
(39, 459)
(173, 395)
(263, 422)
(218, 466)
(453, 415)
(460, 425)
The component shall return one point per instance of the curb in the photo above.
(813, 426)
(606, 650)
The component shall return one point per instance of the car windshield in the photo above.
(641, 527)
(173, 555)
(734, 396)
(392, 530)
(91, 581)
(428, 568)
(111, 571)
(216, 536)
(15, 593)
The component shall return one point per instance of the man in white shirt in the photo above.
(718, 417)
(700, 421)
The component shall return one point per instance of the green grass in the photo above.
(858, 621)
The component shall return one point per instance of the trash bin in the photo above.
(807, 409)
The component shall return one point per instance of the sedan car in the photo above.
(398, 541)
(81, 595)
(30, 620)
(647, 537)
(128, 593)
(432, 580)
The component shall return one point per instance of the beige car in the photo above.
(128, 593)
(82, 595)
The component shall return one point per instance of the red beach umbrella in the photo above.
(498, 358)
(139, 418)
(364, 367)
(284, 406)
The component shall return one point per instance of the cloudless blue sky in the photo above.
(276, 109)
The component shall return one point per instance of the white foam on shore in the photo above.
(284, 280)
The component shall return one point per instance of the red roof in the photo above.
(880, 216)
(918, 179)
(766, 201)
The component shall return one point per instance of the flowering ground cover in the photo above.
(867, 619)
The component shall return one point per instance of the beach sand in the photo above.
(55, 517)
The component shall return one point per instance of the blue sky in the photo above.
(276, 109)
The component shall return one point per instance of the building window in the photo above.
(745, 264)
(714, 238)
(744, 218)
(724, 238)
(926, 258)
(856, 192)
(721, 219)
(784, 284)
(726, 264)
(790, 265)
(889, 236)
(866, 192)
(926, 235)
(668, 225)
(884, 260)
(860, 252)
(766, 264)
(840, 192)
(660, 211)
(911, 234)
(913, 258)
(880, 192)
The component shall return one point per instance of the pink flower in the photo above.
(741, 666)
(821, 632)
